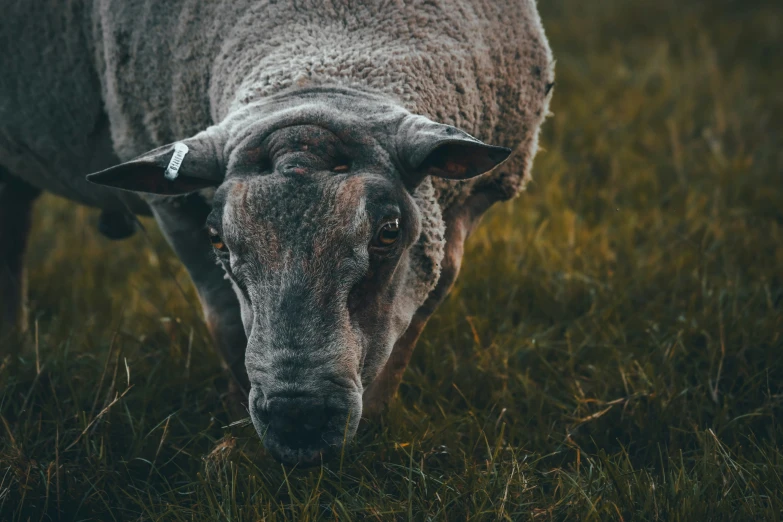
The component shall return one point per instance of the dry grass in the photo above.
(612, 351)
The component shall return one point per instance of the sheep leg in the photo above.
(182, 222)
(16, 204)
(460, 222)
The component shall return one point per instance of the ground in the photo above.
(612, 350)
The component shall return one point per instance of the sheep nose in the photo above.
(299, 428)
(297, 416)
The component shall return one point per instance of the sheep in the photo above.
(337, 154)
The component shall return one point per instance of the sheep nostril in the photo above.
(263, 415)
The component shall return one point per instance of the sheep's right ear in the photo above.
(176, 168)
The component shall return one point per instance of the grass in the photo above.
(612, 350)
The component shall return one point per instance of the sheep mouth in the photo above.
(300, 453)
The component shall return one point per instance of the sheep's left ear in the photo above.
(426, 148)
(177, 168)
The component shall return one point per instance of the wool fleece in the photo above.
(91, 83)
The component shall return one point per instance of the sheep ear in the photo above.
(177, 168)
(434, 149)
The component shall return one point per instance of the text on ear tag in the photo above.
(172, 171)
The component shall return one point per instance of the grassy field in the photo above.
(612, 350)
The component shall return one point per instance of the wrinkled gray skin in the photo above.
(309, 126)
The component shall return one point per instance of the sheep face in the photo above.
(319, 262)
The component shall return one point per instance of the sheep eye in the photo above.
(216, 241)
(388, 234)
